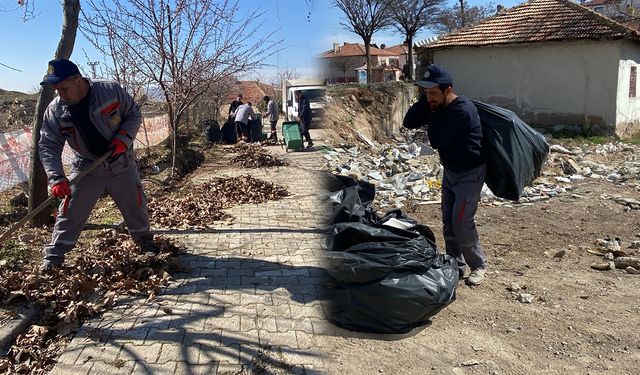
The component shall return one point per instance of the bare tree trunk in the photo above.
(174, 149)
(463, 20)
(37, 176)
(367, 48)
(410, 45)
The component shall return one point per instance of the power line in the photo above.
(12, 68)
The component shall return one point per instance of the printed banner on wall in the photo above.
(15, 149)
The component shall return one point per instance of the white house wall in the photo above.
(551, 84)
(628, 108)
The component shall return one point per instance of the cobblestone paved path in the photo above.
(252, 300)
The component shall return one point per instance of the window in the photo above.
(632, 82)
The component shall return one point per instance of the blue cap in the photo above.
(59, 70)
(435, 75)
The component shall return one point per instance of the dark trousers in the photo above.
(273, 128)
(304, 129)
(460, 198)
(243, 130)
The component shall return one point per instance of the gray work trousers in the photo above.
(126, 190)
(460, 198)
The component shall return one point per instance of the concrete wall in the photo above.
(399, 104)
(335, 69)
(342, 69)
(628, 108)
(550, 85)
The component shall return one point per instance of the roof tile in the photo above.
(355, 49)
(537, 21)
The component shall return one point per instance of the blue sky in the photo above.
(306, 28)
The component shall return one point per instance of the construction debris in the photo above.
(411, 170)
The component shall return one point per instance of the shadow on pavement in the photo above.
(195, 326)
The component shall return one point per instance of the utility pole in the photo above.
(93, 65)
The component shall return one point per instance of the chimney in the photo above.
(336, 48)
(383, 46)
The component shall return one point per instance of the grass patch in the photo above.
(12, 253)
(635, 140)
(583, 138)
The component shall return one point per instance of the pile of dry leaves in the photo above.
(90, 284)
(202, 204)
(254, 156)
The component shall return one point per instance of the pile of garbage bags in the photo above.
(386, 273)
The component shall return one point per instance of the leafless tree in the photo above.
(182, 47)
(412, 15)
(284, 74)
(343, 65)
(461, 15)
(364, 18)
(37, 175)
(220, 91)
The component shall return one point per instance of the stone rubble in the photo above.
(411, 170)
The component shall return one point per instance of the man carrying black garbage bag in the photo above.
(454, 129)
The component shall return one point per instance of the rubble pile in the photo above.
(411, 170)
(254, 156)
(91, 284)
(614, 257)
(399, 172)
(202, 204)
(581, 162)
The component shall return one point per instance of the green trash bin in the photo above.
(291, 134)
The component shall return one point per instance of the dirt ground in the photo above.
(581, 321)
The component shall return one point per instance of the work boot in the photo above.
(309, 145)
(49, 266)
(476, 276)
(149, 247)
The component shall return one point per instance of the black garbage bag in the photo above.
(229, 131)
(388, 281)
(255, 130)
(396, 218)
(211, 129)
(515, 152)
(386, 274)
(352, 202)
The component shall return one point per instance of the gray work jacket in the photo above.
(114, 113)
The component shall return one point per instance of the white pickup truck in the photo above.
(313, 90)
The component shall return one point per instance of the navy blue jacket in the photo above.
(304, 111)
(454, 131)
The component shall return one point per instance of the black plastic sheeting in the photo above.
(383, 279)
(229, 132)
(515, 152)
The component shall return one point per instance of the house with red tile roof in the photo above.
(402, 50)
(344, 62)
(555, 63)
(252, 91)
(616, 9)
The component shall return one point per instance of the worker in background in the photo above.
(272, 115)
(304, 117)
